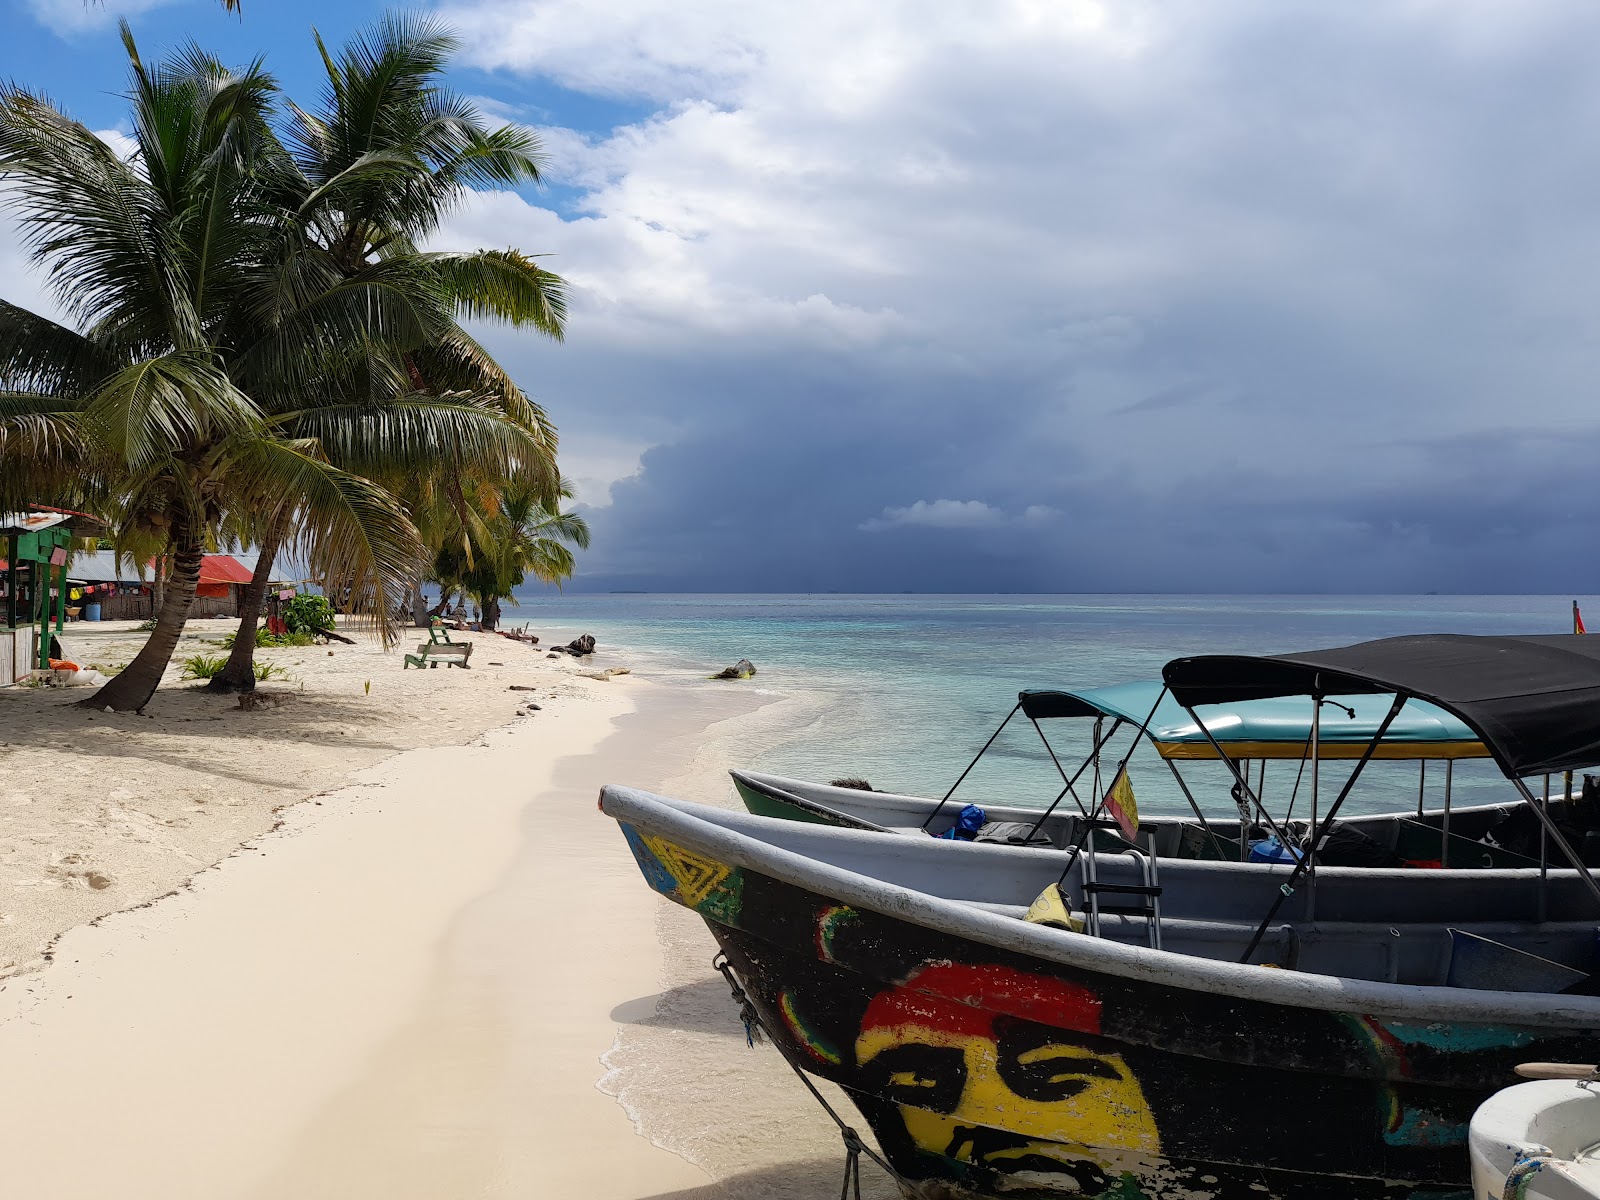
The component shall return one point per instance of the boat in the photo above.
(1539, 1140)
(1252, 732)
(1235, 1030)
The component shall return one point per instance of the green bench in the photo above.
(438, 650)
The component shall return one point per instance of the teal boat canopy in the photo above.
(1279, 727)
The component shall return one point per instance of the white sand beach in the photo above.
(441, 976)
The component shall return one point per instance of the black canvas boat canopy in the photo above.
(1533, 700)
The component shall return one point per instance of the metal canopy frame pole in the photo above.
(1287, 889)
(1100, 800)
(1084, 766)
(1542, 914)
(1559, 838)
(1422, 783)
(1244, 785)
(1310, 850)
(1050, 750)
(1189, 796)
(946, 797)
(1444, 824)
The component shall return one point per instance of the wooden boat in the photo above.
(1248, 1031)
(1257, 731)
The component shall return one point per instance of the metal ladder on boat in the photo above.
(1147, 894)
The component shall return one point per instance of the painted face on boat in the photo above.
(1002, 1069)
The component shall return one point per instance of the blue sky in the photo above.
(1028, 294)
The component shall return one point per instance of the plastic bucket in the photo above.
(91, 612)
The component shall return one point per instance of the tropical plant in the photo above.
(202, 666)
(267, 640)
(522, 538)
(182, 280)
(370, 174)
(307, 614)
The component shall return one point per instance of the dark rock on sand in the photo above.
(742, 669)
(581, 645)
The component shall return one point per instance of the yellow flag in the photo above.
(1122, 806)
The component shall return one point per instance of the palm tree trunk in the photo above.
(131, 690)
(240, 673)
(490, 619)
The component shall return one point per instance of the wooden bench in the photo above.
(431, 654)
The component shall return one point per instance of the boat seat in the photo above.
(1012, 833)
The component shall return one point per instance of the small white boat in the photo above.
(1538, 1140)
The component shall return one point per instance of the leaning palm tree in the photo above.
(369, 176)
(153, 257)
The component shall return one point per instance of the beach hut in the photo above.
(111, 587)
(33, 584)
(222, 579)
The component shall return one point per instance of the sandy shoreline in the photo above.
(106, 811)
(408, 987)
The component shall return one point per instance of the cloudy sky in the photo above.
(1028, 295)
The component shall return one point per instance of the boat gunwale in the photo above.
(1017, 812)
(677, 821)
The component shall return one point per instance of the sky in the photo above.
(1024, 295)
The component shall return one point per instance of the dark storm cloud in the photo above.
(1234, 296)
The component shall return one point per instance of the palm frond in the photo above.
(503, 285)
(144, 412)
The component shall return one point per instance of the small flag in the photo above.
(1577, 619)
(1122, 806)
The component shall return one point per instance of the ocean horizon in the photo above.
(903, 688)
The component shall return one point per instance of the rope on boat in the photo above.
(754, 1027)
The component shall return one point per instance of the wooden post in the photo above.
(61, 600)
(41, 611)
(13, 577)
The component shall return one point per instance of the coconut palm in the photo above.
(371, 173)
(155, 257)
(521, 538)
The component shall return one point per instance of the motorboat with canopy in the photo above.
(1249, 735)
(1045, 1022)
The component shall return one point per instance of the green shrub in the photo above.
(203, 666)
(271, 640)
(306, 614)
(265, 671)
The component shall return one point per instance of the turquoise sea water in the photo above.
(906, 688)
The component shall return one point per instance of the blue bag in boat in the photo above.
(967, 825)
(1271, 850)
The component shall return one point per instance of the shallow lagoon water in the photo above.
(906, 688)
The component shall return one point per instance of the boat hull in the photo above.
(984, 1071)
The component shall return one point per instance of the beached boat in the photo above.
(1248, 734)
(1539, 1140)
(1246, 1031)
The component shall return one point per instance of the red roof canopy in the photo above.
(223, 568)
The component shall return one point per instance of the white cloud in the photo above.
(67, 17)
(954, 516)
(121, 143)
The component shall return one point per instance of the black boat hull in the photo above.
(983, 1071)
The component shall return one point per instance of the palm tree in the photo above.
(156, 257)
(370, 176)
(520, 539)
